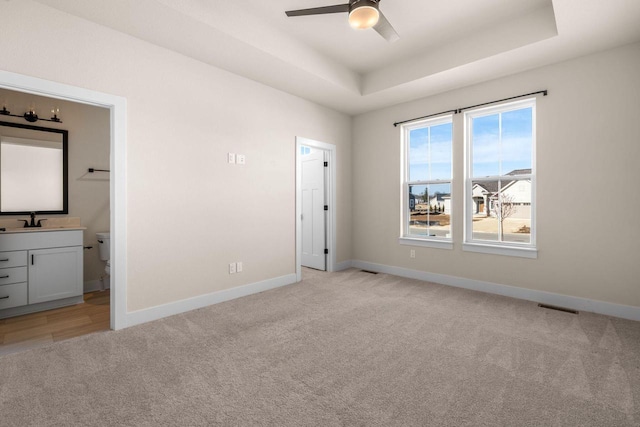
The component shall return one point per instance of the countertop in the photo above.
(41, 229)
(48, 224)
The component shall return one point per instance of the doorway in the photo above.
(315, 205)
(313, 215)
(61, 299)
(117, 186)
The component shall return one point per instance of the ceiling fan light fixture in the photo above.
(363, 17)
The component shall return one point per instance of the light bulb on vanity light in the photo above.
(55, 112)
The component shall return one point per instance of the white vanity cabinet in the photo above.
(40, 270)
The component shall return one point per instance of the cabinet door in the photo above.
(55, 273)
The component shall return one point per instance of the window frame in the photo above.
(518, 249)
(412, 239)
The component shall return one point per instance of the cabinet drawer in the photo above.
(28, 240)
(13, 295)
(13, 275)
(13, 259)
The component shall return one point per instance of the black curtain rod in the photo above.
(425, 117)
(543, 92)
(460, 110)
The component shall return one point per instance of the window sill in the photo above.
(427, 243)
(484, 248)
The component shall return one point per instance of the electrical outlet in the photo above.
(232, 268)
(239, 266)
(231, 158)
(412, 253)
(240, 159)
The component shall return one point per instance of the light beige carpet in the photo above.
(338, 349)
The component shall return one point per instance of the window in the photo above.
(426, 183)
(500, 179)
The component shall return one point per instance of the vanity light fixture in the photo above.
(31, 115)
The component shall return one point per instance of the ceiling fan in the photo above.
(362, 14)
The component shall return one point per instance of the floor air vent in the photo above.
(553, 307)
(370, 272)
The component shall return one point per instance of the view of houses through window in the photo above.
(430, 210)
(428, 179)
(500, 178)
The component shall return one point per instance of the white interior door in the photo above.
(313, 214)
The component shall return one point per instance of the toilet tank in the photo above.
(104, 243)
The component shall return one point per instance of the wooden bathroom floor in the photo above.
(38, 329)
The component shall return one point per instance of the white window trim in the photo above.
(526, 250)
(406, 238)
(427, 242)
(500, 249)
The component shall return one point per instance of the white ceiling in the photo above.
(444, 44)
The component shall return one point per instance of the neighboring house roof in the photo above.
(488, 186)
(520, 172)
(492, 186)
(440, 196)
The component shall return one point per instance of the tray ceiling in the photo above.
(443, 44)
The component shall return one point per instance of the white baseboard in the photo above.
(170, 309)
(575, 303)
(344, 265)
(95, 285)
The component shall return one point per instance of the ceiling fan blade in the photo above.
(384, 28)
(339, 8)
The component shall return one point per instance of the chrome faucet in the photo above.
(32, 224)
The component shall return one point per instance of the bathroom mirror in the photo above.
(33, 170)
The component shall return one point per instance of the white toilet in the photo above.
(104, 242)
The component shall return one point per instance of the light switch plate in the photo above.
(239, 266)
(240, 159)
(232, 268)
(231, 158)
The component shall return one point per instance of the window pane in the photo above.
(429, 210)
(418, 154)
(430, 153)
(517, 138)
(486, 145)
(502, 210)
(440, 151)
(484, 223)
(515, 211)
(418, 212)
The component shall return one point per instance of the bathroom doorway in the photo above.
(103, 185)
